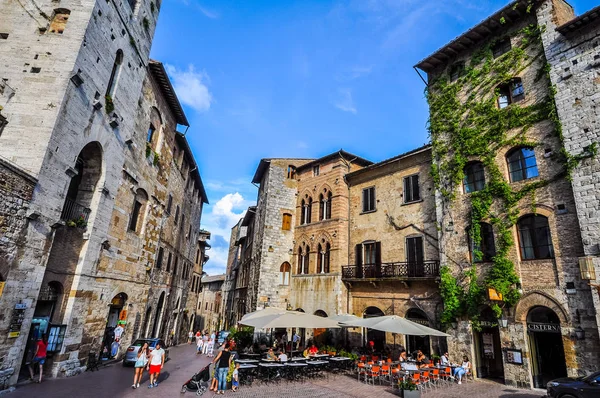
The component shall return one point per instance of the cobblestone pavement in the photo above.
(114, 382)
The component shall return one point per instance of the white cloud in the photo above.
(207, 13)
(345, 101)
(191, 87)
(223, 215)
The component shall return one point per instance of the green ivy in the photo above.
(108, 104)
(477, 128)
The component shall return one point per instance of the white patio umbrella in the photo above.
(289, 319)
(263, 312)
(396, 324)
(345, 318)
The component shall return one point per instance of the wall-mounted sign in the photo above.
(514, 356)
(488, 324)
(494, 294)
(488, 345)
(543, 327)
(16, 320)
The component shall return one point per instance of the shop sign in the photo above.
(494, 295)
(543, 327)
(488, 324)
(424, 322)
(16, 320)
(514, 356)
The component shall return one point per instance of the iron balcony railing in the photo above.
(400, 270)
(73, 211)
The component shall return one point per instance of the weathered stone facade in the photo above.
(78, 98)
(571, 47)
(403, 278)
(210, 303)
(546, 282)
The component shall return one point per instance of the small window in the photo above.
(486, 249)
(474, 177)
(411, 189)
(316, 170)
(189, 234)
(182, 225)
(457, 71)
(169, 203)
(510, 92)
(176, 214)
(114, 74)
(291, 171)
(284, 273)
(135, 214)
(368, 199)
(534, 237)
(59, 20)
(325, 206)
(501, 47)
(369, 253)
(159, 259)
(323, 255)
(303, 260)
(175, 265)
(3, 124)
(287, 222)
(522, 164)
(169, 259)
(206, 306)
(306, 209)
(150, 134)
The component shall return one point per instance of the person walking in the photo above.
(199, 345)
(140, 364)
(39, 356)
(190, 337)
(205, 343)
(211, 347)
(222, 362)
(157, 361)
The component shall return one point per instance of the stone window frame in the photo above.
(534, 234)
(306, 210)
(370, 205)
(501, 47)
(510, 92)
(323, 257)
(325, 200)
(408, 186)
(138, 211)
(285, 272)
(286, 222)
(487, 252)
(472, 178)
(522, 162)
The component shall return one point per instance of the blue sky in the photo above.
(300, 79)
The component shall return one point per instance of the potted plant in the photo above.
(408, 389)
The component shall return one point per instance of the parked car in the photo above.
(222, 336)
(132, 351)
(581, 387)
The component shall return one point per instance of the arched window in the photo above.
(510, 92)
(521, 164)
(306, 210)
(303, 259)
(114, 75)
(138, 210)
(325, 206)
(323, 258)
(486, 249)
(535, 240)
(284, 273)
(474, 177)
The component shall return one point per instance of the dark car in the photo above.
(581, 387)
(131, 354)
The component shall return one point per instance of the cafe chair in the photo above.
(374, 373)
(362, 371)
(416, 378)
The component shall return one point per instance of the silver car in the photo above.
(132, 351)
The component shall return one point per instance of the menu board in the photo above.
(488, 345)
(16, 320)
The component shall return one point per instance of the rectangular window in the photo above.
(189, 235)
(206, 306)
(197, 255)
(169, 204)
(182, 222)
(411, 189)
(456, 71)
(370, 253)
(316, 170)
(56, 336)
(176, 214)
(169, 259)
(159, 260)
(501, 47)
(133, 221)
(368, 199)
(287, 222)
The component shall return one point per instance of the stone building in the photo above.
(272, 233)
(210, 303)
(227, 312)
(393, 255)
(88, 129)
(195, 292)
(320, 236)
(572, 49)
(507, 221)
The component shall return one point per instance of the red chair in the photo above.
(435, 377)
(416, 378)
(374, 372)
(362, 371)
(446, 374)
(385, 372)
(363, 358)
(425, 379)
(374, 358)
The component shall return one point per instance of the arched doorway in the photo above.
(545, 345)
(117, 316)
(158, 315)
(414, 343)
(377, 336)
(487, 347)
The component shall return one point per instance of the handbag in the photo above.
(141, 361)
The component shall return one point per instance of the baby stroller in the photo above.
(198, 382)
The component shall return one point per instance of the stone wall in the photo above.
(575, 72)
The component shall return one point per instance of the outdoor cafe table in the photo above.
(270, 368)
(340, 362)
(250, 356)
(298, 359)
(269, 360)
(319, 356)
(247, 361)
(316, 365)
(294, 370)
(247, 373)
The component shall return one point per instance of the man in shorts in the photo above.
(39, 357)
(155, 364)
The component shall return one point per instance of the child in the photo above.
(235, 381)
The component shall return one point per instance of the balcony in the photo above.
(73, 211)
(398, 271)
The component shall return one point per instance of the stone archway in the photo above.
(540, 299)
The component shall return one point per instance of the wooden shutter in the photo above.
(358, 260)
(365, 200)
(415, 188)
(378, 254)
(287, 222)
